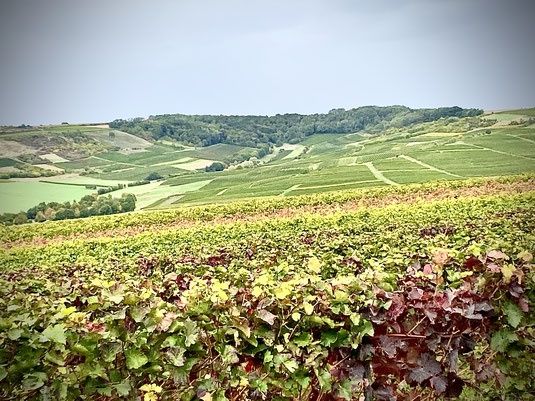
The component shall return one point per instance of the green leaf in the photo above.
(314, 265)
(3, 373)
(81, 349)
(33, 381)
(268, 356)
(324, 379)
(257, 291)
(138, 313)
(329, 337)
(344, 390)
(501, 340)
(341, 296)
(65, 312)
(191, 332)
(303, 339)
(513, 313)
(291, 365)
(176, 356)
(525, 256)
(260, 385)
(229, 355)
(54, 333)
(355, 319)
(366, 328)
(283, 291)
(507, 272)
(54, 358)
(123, 388)
(309, 309)
(302, 379)
(14, 334)
(170, 341)
(135, 359)
(108, 351)
(115, 298)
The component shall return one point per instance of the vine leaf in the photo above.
(314, 265)
(501, 340)
(266, 316)
(507, 272)
(135, 359)
(34, 381)
(428, 368)
(513, 313)
(123, 388)
(439, 383)
(309, 309)
(54, 333)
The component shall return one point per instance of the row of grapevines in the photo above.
(252, 206)
(385, 304)
(283, 334)
(388, 236)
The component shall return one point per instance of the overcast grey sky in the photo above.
(89, 61)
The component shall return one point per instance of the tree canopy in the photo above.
(254, 131)
(89, 205)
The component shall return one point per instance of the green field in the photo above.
(16, 196)
(446, 149)
(523, 112)
(344, 162)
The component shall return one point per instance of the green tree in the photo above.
(105, 209)
(215, 166)
(40, 217)
(154, 176)
(20, 218)
(128, 202)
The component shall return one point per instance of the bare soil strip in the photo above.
(286, 191)
(503, 153)
(412, 159)
(377, 174)
(523, 139)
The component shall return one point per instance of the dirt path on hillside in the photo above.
(379, 175)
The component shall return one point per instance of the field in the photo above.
(446, 149)
(291, 298)
(392, 265)
(22, 195)
(344, 162)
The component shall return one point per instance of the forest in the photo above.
(253, 131)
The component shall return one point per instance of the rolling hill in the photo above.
(365, 147)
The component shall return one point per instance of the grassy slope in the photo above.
(442, 150)
(339, 162)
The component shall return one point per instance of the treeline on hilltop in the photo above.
(253, 131)
(89, 205)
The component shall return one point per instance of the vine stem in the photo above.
(448, 345)
(406, 335)
(416, 325)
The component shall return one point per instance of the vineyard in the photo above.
(416, 292)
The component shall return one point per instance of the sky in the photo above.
(98, 60)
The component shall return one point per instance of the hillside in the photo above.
(391, 263)
(384, 147)
(395, 292)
